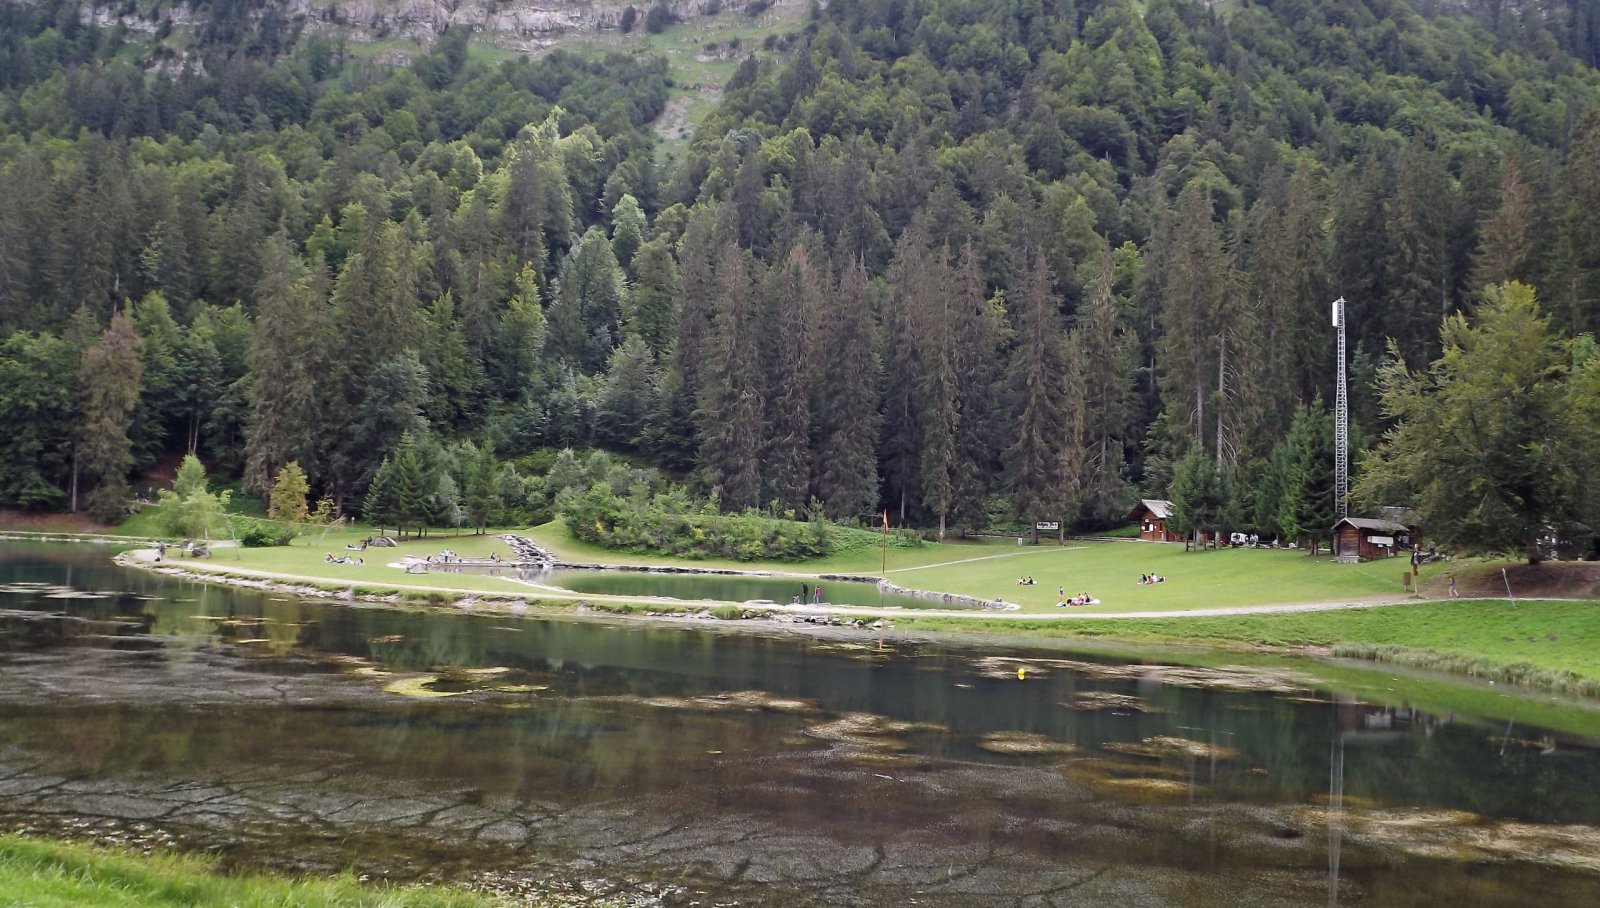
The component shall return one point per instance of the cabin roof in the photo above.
(1374, 523)
(1159, 508)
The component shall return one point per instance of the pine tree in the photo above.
(847, 477)
(108, 385)
(656, 288)
(1106, 358)
(936, 392)
(730, 411)
(794, 297)
(1578, 284)
(1192, 301)
(1036, 459)
(1306, 506)
(1506, 241)
(1417, 272)
(285, 345)
(900, 452)
(980, 322)
(289, 491)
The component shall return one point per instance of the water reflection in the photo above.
(562, 733)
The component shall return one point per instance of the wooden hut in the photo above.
(1152, 515)
(1371, 537)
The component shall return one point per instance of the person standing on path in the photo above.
(1453, 593)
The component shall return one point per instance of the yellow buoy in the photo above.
(1022, 674)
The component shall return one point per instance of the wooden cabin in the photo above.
(1152, 515)
(1371, 537)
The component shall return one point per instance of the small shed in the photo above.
(1152, 515)
(1370, 537)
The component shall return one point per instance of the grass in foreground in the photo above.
(44, 874)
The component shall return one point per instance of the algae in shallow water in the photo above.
(420, 686)
(1166, 747)
(1019, 742)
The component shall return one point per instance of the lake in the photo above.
(683, 763)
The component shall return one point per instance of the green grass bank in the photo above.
(1552, 645)
(42, 874)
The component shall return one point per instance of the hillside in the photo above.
(965, 262)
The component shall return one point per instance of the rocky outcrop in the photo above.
(522, 25)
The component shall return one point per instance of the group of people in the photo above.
(1146, 579)
(1081, 599)
(808, 593)
(1027, 581)
(343, 559)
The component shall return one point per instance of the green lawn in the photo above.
(1110, 571)
(984, 569)
(1532, 642)
(41, 874)
(304, 558)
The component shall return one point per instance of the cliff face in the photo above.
(519, 25)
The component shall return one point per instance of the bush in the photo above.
(668, 523)
(727, 612)
(658, 19)
(260, 534)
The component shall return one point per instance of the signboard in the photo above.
(1047, 525)
(1381, 540)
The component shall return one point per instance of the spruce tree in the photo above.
(108, 387)
(1578, 281)
(730, 411)
(1035, 459)
(937, 397)
(847, 473)
(1106, 359)
(900, 453)
(795, 302)
(980, 322)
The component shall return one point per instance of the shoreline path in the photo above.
(146, 559)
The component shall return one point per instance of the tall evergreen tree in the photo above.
(979, 325)
(1038, 456)
(1578, 282)
(108, 386)
(847, 477)
(730, 412)
(794, 298)
(283, 422)
(1106, 357)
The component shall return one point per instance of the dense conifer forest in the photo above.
(970, 263)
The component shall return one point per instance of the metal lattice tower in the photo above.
(1341, 425)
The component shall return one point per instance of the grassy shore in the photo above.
(1546, 644)
(43, 874)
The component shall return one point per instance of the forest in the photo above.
(966, 264)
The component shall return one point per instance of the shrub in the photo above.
(727, 612)
(260, 534)
(669, 523)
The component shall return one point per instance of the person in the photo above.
(805, 593)
(816, 594)
(1454, 593)
(328, 558)
(1061, 596)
